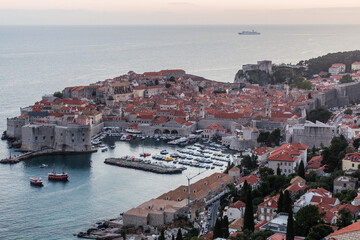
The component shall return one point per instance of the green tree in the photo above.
(278, 170)
(306, 218)
(263, 137)
(290, 226)
(225, 230)
(249, 213)
(156, 82)
(249, 162)
(167, 85)
(345, 218)
(58, 94)
(356, 143)
(346, 79)
(333, 155)
(162, 235)
(319, 232)
(309, 95)
(274, 138)
(287, 205)
(348, 111)
(172, 237)
(319, 114)
(265, 172)
(217, 229)
(346, 196)
(281, 203)
(301, 170)
(179, 235)
(123, 235)
(172, 79)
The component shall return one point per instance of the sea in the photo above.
(38, 60)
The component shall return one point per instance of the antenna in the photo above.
(189, 178)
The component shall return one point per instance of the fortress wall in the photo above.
(96, 129)
(14, 126)
(338, 97)
(72, 138)
(37, 137)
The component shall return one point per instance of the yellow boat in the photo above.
(168, 159)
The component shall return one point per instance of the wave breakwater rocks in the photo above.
(142, 166)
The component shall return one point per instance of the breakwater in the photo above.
(142, 166)
(46, 152)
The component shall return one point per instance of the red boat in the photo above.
(36, 181)
(145, 154)
(58, 176)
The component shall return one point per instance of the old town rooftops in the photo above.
(354, 157)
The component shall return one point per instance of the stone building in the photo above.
(311, 134)
(288, 157)
(267, 209)
(14, 126)
(74, 138)
(351, 161)
(155, 212)
(344, 183)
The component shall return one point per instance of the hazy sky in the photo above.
(25, 12)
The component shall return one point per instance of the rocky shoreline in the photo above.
(110, 229)
(142, 166)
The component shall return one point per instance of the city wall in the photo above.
(338, 97)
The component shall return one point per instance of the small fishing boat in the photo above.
(43, 165)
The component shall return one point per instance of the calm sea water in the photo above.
(39, 60)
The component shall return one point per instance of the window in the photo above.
(344, 184)
(52, 137)
(281, 164)
(72, 140)
(83, 139)
(353, 165)
(262, 217)
(262, 210)
(43, 137)
(267, 218)
(268, 210)
(285, 164)
(35, 138)
(72, 135)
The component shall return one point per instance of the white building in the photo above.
(337, 68)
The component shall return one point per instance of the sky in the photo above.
(165, 12)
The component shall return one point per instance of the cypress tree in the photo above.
(123, 235)
(287, 202)
(162, 235)
(301, 171)
(290, 226)
(217, 229)
(225, 227)
(280, 202)
(278, 171)
(172, 237)
(179, 235)
(249, 213)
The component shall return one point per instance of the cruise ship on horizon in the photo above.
(249, 33)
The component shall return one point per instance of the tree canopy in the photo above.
(319, 114)
(58, 94)
(346, 79)
(306, 218)
(323, 63)
(333, 155)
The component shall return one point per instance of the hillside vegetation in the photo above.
(323, 63)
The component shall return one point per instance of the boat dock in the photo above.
(142, 166)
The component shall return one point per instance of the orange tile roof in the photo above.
(351, 228)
